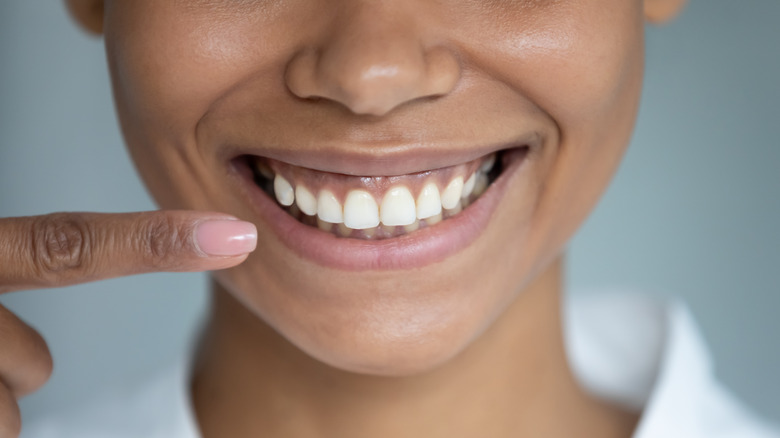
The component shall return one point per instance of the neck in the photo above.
(512, 381)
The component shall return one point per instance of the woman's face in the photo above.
(359, 112)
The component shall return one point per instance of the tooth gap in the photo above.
(259, 179)
(495, 172)
(309, 220)
(265, 184)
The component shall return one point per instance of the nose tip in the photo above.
(372, 71)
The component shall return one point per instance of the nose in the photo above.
(371, 61)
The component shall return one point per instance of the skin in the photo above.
(400, 353)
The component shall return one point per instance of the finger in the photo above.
(25, 361)
(67, 248)
(10, 417)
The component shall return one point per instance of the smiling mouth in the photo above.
(377, 207)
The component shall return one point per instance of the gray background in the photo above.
(693, 212)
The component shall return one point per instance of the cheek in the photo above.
(168, 68)
(584, 71)
(578, 65)
(173, 61)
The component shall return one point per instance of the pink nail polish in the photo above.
(226, 237)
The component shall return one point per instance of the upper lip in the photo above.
(384, 160)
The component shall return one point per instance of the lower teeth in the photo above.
(377, 233)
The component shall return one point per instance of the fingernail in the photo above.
(226, 237)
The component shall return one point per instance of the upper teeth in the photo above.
(329, 208)
(428, 202)
(398, 206)
(360, 210)
(284, 191)
(451, 195)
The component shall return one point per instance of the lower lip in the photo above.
(414, 250)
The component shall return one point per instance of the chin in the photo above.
(372, 330)
(393, 347)
(400, 358)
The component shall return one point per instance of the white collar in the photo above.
(647, 355)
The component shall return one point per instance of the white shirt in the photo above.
(639, 352)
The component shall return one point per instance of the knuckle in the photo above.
(61, 244)
(162, 237)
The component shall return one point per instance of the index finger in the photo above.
(67, 248)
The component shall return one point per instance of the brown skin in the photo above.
(69, 248)
(412, 353)
(191, 77)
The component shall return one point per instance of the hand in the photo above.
(68, 248)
